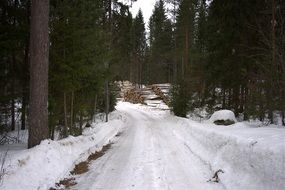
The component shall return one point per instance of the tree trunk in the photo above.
(12, 114)
(175, 70)
(107, 99)
(23, 114)
(25, 89)
(13, 65)
(132, 69)
(186, 52)
(273, 36)
(230, 98)
(283, 117)
(107, 65)
(261, 105)
(13, 92)
(39, 52)
(140, 73)
(71, 112)
(246, 93)
(224, 99)
(52, 130)
(80, 121)
(271, 116)
(137, 72)
(26, 72)
(13, 95)
(95, 108)
(236, 101)
(241, 99)
(273, 64)
(65, 130)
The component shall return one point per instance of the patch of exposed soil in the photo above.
(82, 168)
(99, 154)
(68, 182)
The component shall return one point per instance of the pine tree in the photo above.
(38, 110)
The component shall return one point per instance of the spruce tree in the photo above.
(161, 44)
(139, 48)
(185, 33)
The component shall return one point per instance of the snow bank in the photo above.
(42, 166)
(223, 115)
(251, 158)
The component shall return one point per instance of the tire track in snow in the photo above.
(147, 156)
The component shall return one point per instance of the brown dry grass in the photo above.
(99, 154)
(82, 167)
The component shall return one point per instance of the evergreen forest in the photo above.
(215, 54)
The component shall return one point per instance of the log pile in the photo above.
(133, 96)
(159, 93)
(124, 86)
(155, 92)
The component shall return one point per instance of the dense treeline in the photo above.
(14, 50)
(222, 55)
(217, 54)
(248, 43)
(92, 43)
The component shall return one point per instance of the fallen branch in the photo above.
(2, 169)
(216, 178)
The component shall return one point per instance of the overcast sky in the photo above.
(146, 7)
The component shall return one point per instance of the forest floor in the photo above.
(143, 147)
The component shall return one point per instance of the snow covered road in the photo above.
(153, 150)
(147, 155)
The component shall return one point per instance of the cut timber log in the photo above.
(159, 93)
(133, 96)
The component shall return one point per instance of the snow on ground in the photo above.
(146, 156)
(157, 151)
(19, 135)
(251, 158)
(42, 166)
(223, 115)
